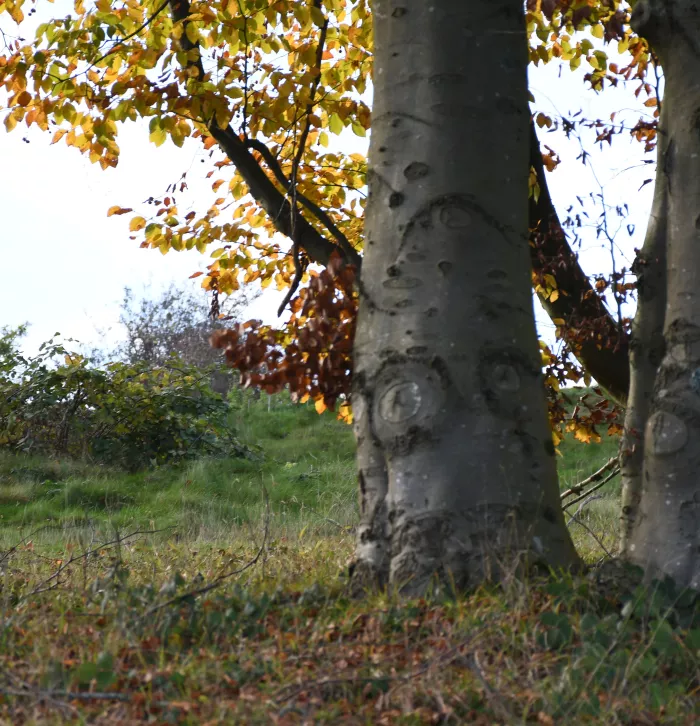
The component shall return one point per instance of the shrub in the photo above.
(128, 414)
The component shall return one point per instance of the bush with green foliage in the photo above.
(133, 415)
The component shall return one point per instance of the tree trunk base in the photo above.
(437, 551)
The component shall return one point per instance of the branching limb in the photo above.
(287, 219)
(299, 269)
(595, 488)
(323, 217)
(612, 463)
(299, 266)
(133, 34)
(577, 300)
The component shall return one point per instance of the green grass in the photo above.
(577, 460)
(304, 461)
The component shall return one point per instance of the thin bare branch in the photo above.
(287, 218)
(578, 488)
(595, 488)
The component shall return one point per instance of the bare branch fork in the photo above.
(319, 213)
(609, 365)
(598, 480)
(612, 466)
(591, 533)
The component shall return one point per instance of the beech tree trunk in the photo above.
(646, 345)
(456, 462)
(662, 521)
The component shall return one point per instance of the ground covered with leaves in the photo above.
(236, 610)
(149, 629)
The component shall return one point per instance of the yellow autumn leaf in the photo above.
(543, 120)
(118, 210)
(137, 223)
(551, 281)
(345, 413)
(192, 33)
(317, 16)
(320, 405)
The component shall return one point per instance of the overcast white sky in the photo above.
(64, 263)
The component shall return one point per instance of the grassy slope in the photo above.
(306, 465)
(280, 642)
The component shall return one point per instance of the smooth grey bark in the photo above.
(646, 344)
(664, 533)
(455, 456)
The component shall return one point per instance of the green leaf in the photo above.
(158, 136)
(335, 124)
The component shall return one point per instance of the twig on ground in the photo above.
(46, 584)
(584, 503)
(496, 700)
(62, 698)
(8, 553)
(40, 695)
(344, 527)
(20, 687)
(575, 518)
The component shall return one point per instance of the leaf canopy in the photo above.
(272, 90)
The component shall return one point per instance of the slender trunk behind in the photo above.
(646, 346)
